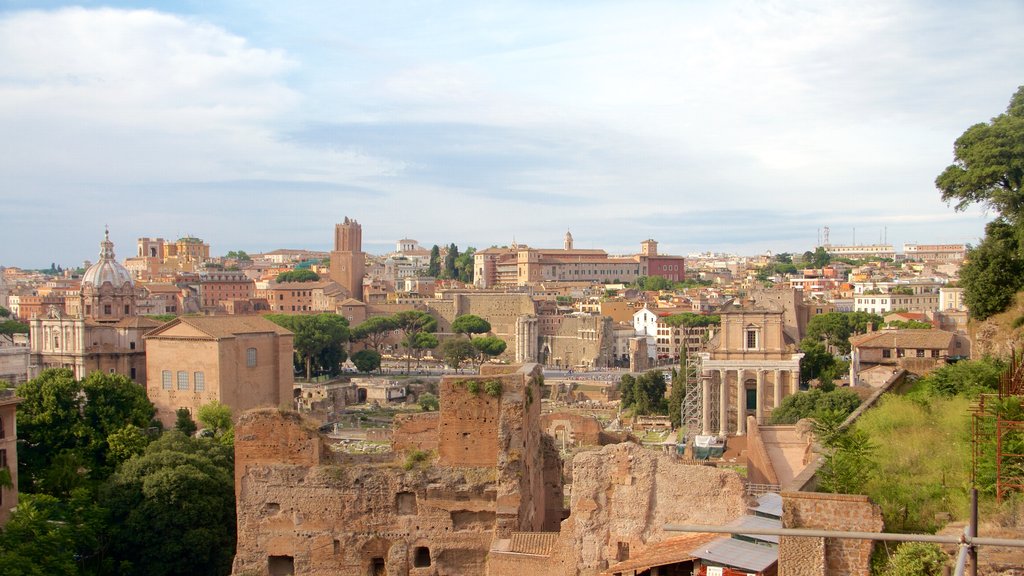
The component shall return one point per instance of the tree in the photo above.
(988, 165)
(9, 327)
(988, 169)
(848, 455)
(678, 393)
(814, 402)
(645, 394)
(434, 266)
(455, 351)
(297, 276)
(238, 255)
(450, 257)
(689, 319)
(318, 339)
(374, 331)
(366, 360)
(464, 265)
(410, 322)
(65, 425)
(184, 422)
(4, 312)
(216, 417)
(994, 270)
(470, 324)
(428, 402)
(489, 346)
(835, 328)
(816, 359)
(820, 257)
(916, 559)
(418, 342)
(172, 509)
(47, 536)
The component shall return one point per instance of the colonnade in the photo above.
(785, 382)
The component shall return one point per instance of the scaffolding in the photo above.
(693, 401)
(997, 431)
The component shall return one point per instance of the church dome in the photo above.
(107, 269)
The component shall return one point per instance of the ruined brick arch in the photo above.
(374, 556)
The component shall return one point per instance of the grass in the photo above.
(924, 456)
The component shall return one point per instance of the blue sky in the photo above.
(732, 126)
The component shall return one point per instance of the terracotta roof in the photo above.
(669, 551)
(536, 543)
(225, 326)
(919, 339)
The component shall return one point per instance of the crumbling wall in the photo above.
(839, 557)
(623, 495)
(570, 429)
(415, 432)
(317, 514)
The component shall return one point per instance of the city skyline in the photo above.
(736, 127)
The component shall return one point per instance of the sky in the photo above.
(736, 126)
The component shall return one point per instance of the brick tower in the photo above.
(347, 260)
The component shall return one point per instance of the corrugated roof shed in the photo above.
(738, 554)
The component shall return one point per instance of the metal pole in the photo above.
(972, 532)
(817, 533)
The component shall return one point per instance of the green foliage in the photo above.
(470, 324)
(849, 455)
(835, 328)
(46, 536)
(303, 275)
(994, 270)
(473, 386)
(434, 267)
(4, 312)
(464, 265)
(418, 342)
(916, 559)
(184, 422)
(373, 331)
(319, 339)
(415, 458)
(493, 388)
(988, 169)
(814, 403)
(429, 403)
(172, 509)
(64, 425)
(456, 351)
(645, 394)
(966, 378)
(216, 417)
(489, 345)
(127, 442)
(366, 360)
(689, 319)
(909, 325)
(412, 322)
(678, 394)
(162, 317)
(448, 270)
(924, 459)
(819, 258)
(239, 255)
(9, 327)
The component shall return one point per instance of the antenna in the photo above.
(825, 238)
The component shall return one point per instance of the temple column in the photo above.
(777, 389)
(705, 404)
(794, 381)
(741, 404)
(759, 409)
(723, 404)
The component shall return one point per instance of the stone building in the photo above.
(750, 367)
(348, 263)
(241, 361)
(99, 330)
(8, 452)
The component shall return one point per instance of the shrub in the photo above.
(493, 388)
(916, 559)
(473, 386)
(415, 458)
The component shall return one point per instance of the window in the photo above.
(886, 353)
(200, 381)
(182, 380)
(126, 309)
(250, 357)
(133, 373)
(131, 345)
(165, 377)
(920, 353)
(107, 309)
(751, 339)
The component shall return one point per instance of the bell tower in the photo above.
(348, 263)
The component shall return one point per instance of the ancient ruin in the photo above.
(476, 488)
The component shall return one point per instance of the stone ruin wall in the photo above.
(341, 515)
(415, 432)
(500, 309)
(622, 497)
(581, 340)
(831, 556)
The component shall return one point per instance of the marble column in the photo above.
(741, 404)
(759, 409)
(705, 404)
(723, 404)
(794, 381)
(777, 389)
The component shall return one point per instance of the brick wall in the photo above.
(415, 432)
(841, 557)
